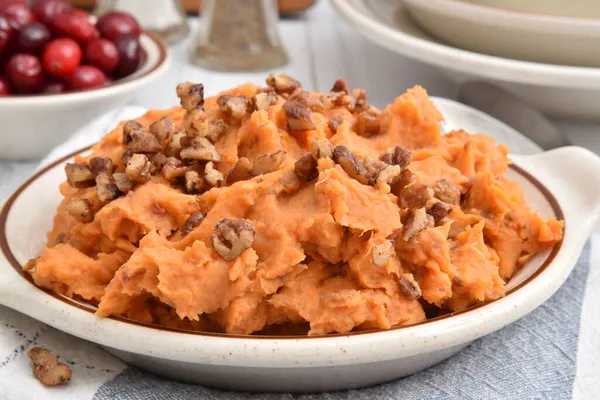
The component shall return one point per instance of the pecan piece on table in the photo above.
(234, 106)
(267, 163)
(191, 95)
(200, 149)
(138, 168)
(241, 171)
(416, 195)
(409, 287)
(231, 237)
(213, 176)
(123, 182)
(193, 182)
(439, 211)
(46, 367)
(79, 175)
(417, 221)
(81, 209)
(283, 83)
(128, 128)
(143, 142)
(397, 156)
(173, 169)
(192, 223)
(321, 149)
(106, 188)
(163, 128)
(445, 191)
(381, 253)
(352, 165)
(306, 168)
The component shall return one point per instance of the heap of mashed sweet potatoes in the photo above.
(268, 208)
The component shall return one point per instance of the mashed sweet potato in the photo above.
(275, 209)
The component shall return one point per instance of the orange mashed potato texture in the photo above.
(329, 254)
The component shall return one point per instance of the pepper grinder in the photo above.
(239, 35)
(166, 18)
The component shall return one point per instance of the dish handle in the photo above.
(572, 175)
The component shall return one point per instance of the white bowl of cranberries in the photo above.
(60, 68)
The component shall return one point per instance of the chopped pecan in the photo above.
(262, 101)
(334, 123)
(415, 196)
(267, 163)
(126, 156)
(234, 106)
(373, 167)
(340, 85)
(213, 130)
(158, 160)
(299, 117)
(397, 156)
(240, 171)
(201, 149)
(106, 188)
(358, 101)
(101, 164)
(128, 128)
(417, 221)
(337, 99)
(143, 142)
(138, 168)
(405, 178)
(306, 168)
(173, 149)
(191, 95)
(79, 175)
(81, 209)
(305, 99)
(381, 253)
(366, 124)
(193, 182)
(173, 169)
(321, 149)
(46, 367)
(410, 287)
(213, 176)
(389, 173)
(445, 191)
(283, 83)
(352, 165)
(231, 237)
(123, 182)
(163, 128)
(439, 211)
(192, 223)
(194, 122)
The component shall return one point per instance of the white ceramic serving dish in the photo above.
(562, 183)
(562, 8)
(31, 125)
(508, 33)
(558, 90)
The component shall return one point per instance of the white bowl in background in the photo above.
(558, 90)
(557, 184)
(570, 8)
(507, 33)
(31, 125)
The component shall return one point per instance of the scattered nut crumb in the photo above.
(351, 164)
(201, 149)
(192, 223)
(138, 168)
(410, 287)
(235, 106)
(213, 176)
(417, 221)
(128, 128)
(321, 149)
(397, 156)
(381, 253)
(439, 211)
(163, 128)
(283, 83)
(106, 188)
(231, 237)
(79, 175)
(445, 191)
(191, 95)
(267, 163)
(415, 196)
(306, 168)
(46, 367)
(143, 142)
(193, 182)
(123, 182)
(240, 171)
(81, 209)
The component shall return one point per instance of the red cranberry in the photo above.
(54, 87)
(17, 14)
(102, 53)
(46, 10)
(75, 26)
(130, 53)
(4, 87)
(32, 38)
(25, 73)
(115, 24)
(86, 77)
(6, 35)
(61, 57)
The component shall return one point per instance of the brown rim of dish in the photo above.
(10, 257)
(162, 57)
